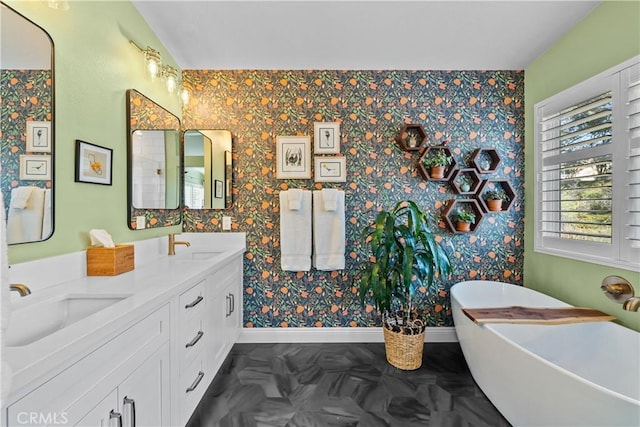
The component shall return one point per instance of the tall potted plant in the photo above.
(404, 255)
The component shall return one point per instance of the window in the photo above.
(587, 165)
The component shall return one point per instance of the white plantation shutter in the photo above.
(587, 162)
(631, 82)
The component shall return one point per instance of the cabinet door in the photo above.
(216, 328)
(233, 314)
(102, 414)
(145, 394)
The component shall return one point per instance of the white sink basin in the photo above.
(38, 320)
(197, 255)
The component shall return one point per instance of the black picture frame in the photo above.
(218, 189)
(94, 164)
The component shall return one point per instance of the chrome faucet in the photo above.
(173, 243)
(619, 289)
(23, 290)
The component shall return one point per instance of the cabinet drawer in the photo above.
(192, 343)
(191, 304)
(191, 389)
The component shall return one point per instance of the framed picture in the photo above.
(35, 168)
(93, 163)
(330, 169)
(39, 137)
(326, 138)
(218, 190)
(293, 157)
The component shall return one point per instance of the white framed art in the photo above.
(35, 168)
(330, 169)
(293, 157)
(326, 138)
(38, 137)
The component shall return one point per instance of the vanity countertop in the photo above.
(145, 289)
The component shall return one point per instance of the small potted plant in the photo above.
(464, 219)
(437, 163)
(494, 199)
(464, 183)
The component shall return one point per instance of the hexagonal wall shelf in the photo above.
(468, 175)
(430, 151)
(496, 184)
(485, 160)
(411, 137)
(450, 212)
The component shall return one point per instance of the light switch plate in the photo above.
(226, 223)
(140, 222)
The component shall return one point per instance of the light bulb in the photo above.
(59, 4)
(154, 62)
(184, 95)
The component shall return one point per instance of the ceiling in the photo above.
(425, 35)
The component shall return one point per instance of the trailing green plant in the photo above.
(403, 256)
(466, 216)
(496, 195)
(440, 158)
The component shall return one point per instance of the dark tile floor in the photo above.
(309, 385)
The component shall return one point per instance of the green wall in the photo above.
(94, 66)
(613, 31)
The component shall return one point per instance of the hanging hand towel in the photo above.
(295, 199)
(25, 224)
(295, 233)
(328, 230)
(20, 197)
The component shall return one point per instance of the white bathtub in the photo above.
(580, 374)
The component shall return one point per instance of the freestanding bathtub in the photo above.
(579, 374)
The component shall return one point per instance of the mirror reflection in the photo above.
(26, 128)
(207, 169)
(154, 166)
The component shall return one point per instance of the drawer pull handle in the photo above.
(117, 416)
(195, 340)
(195, 302)
(196, 382)
(128, 401)
(233, 302)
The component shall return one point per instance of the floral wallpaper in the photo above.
(465, 109)
(25, 95)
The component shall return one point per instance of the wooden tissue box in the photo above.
(103, 261)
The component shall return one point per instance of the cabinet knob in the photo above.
(117, 416)
(132, 403)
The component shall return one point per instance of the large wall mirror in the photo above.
(207, 169)
(26, 128)
(154, 169)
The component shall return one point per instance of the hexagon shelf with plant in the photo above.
(465, 181)
(499, 190)
(460, 209)
(411, 137)
(485, 160)
(437, 156)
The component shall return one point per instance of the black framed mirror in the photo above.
(208, 169)
(154, 164)
(27, 127)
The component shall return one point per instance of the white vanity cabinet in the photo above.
(130, 371)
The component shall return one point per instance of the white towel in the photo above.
(5, 314)
(25, 225)
(295, 233)
(330, 199)
(295, 199)
(20, 197)
(328, 233)
(47, 222)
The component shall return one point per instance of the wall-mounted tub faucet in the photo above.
(23, 290)
(619, 289)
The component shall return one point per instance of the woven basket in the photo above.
(403, 351)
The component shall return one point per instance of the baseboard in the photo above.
(333, 335)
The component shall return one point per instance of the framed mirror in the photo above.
(26, 128)
(207, 169)
(154, 166)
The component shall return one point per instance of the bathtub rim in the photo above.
(554, 366)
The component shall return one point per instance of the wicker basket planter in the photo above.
(403, 351)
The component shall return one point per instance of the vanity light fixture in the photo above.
(59, 4)
(153, 64)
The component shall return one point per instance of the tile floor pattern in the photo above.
(309, 385)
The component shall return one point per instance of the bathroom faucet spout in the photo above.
(632, 304)
(23, 290)
(173, 242)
